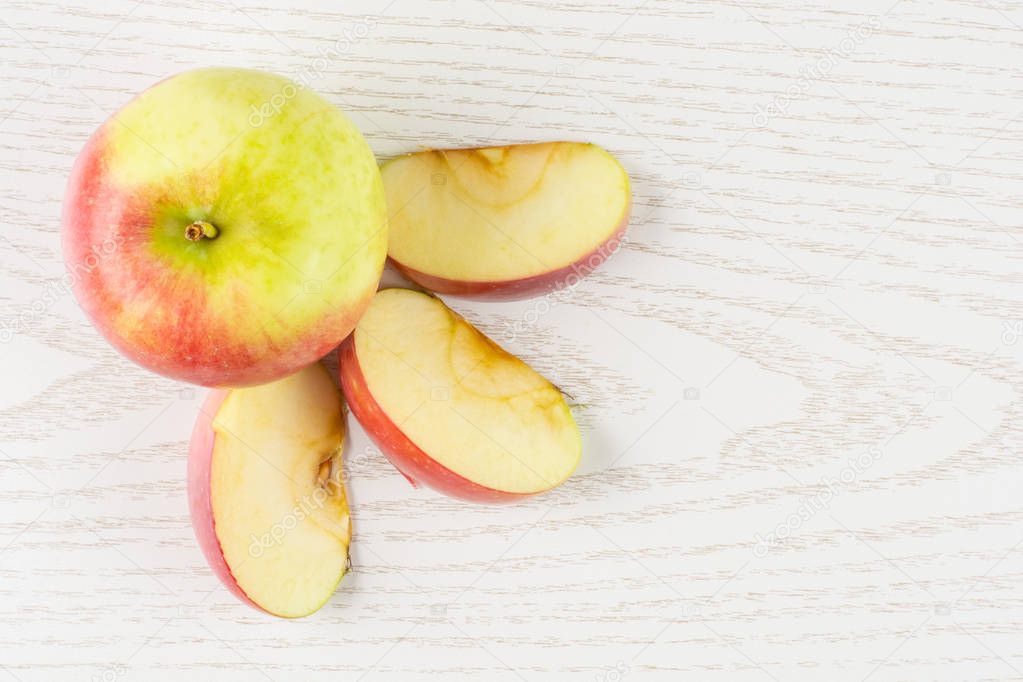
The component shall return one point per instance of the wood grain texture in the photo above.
(800, 380)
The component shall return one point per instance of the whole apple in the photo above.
(226, 227)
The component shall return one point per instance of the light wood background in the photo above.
(800, 381)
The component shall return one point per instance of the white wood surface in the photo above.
(825, 266)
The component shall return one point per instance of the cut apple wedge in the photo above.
(449, 407)
(265, 491)
(504, 222)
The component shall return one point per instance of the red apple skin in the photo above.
(527, 287)
(417, 466)
(200, 504)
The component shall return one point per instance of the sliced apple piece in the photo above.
(265, 491)
(449, 407)
(504, 222)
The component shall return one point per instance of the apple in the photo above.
(226, 227)
(449, 407)
(265, 492)
(505, 222)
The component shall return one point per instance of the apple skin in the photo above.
(406, 456)
(200, 501)
(236, 309)
(527, 287)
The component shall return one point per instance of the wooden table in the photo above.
(799, 382)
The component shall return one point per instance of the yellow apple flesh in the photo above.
(505, 222)
(449, 407)
(265, 490)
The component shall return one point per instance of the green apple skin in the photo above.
(225, 228)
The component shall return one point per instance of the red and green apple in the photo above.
(505, 222)
(265, 491)
(449, 407)
(226, 227)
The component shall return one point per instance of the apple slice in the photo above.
(265, 491)
(449, 407)
(504, 222)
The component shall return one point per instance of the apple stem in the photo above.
(201, 229)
